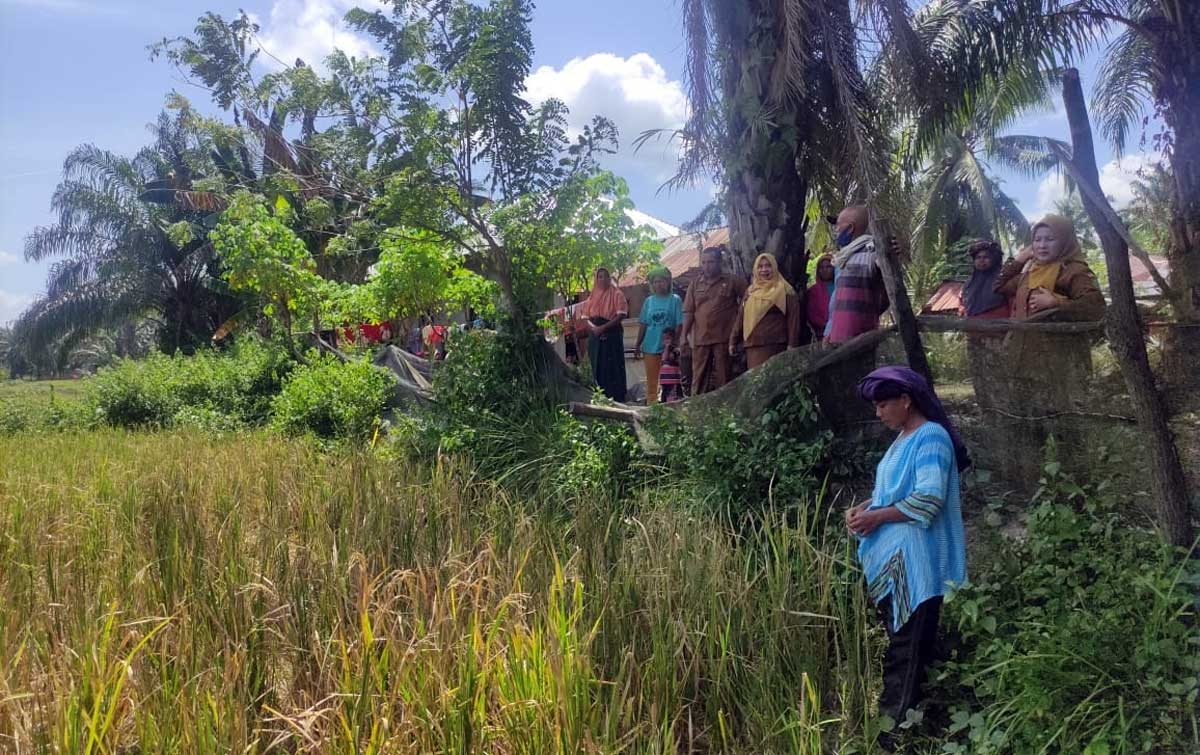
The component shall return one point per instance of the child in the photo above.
(669, 376)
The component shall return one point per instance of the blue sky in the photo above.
(77, 71)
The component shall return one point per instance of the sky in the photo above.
(78, 71)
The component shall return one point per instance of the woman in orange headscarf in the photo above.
(1050, 279)
(605, 309)
(770, 317)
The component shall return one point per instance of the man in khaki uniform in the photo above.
(709, 311)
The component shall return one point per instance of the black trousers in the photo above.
(909, 653)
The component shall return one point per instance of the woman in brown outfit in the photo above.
(1050, 279)
(770, 316)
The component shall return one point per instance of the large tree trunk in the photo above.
(767, 193)
(1177, 90)
(766, 214)
(1125, 331)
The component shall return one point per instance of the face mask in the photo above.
(845, 236)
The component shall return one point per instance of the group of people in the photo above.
(721, 313)
(910, 532)
(1048, 277)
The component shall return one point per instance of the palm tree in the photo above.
(781, 116)
(122, 259)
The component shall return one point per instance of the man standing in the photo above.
(709, 311)
(859, 296)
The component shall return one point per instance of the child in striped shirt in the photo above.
(670, 379)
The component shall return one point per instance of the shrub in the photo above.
(782, 455)
(1079, 638)
(332, 399)
(162, 391)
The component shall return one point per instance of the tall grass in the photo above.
(179, 593)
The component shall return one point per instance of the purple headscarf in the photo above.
(891, 381)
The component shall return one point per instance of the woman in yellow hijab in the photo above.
(770, 318)
(1050, 279)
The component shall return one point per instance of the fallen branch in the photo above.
(1056, 415)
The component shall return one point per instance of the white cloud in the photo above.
(634, 92)
(311, 30)
(8, 258)
(11, 305)
(1116, 179)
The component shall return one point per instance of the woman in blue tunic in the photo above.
(910, 532)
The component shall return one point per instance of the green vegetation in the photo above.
(332, 400)
(1080, 637)
(162, 391)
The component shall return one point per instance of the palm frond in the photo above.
(971, 174)
(1031, 156)
(1124, 85)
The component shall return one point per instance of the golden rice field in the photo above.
(191, 594)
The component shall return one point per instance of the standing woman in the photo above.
(910, 532)
(1051, 278)
(979, 296)
(661, 316)
(820, 293)
(770, 318)
(604, 310)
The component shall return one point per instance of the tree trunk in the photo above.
(902, 311)
(1125, 331)
(767, 192)
(766, 215)
(1177, 91)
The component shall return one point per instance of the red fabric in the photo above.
(370, 333)
(817, 306)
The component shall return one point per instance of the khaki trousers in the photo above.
(710, 367)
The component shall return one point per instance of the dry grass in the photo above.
(178, 593)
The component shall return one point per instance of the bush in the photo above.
(1079, 638)
(163, 391)
(783, 455)
(332, 399)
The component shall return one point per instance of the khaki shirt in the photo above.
(714, 308)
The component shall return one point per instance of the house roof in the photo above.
(947, 298)
(680, 254)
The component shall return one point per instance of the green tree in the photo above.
(482, 169)
(261, 254)
(122, 259)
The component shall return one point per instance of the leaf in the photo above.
(1097, 747)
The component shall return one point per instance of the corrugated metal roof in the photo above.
(946, 299)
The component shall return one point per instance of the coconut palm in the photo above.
(120, 258)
